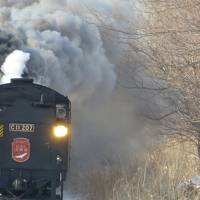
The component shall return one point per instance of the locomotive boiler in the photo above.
(34, 141)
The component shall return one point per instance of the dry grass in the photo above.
(161, 175)
(157, 176)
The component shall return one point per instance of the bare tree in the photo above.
(169, 41)
(163, 50)
(162, 57)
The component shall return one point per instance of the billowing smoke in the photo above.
(8, 43)
(14, 65)
(67, 53)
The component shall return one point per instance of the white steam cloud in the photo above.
(14, 65)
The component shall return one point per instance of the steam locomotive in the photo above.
(34, 141)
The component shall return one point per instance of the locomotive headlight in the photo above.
(60, 131)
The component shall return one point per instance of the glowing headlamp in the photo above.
(60, 131)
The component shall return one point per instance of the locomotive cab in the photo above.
(34, 140)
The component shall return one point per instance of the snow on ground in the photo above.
(68, 196)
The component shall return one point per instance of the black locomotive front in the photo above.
(34, 140)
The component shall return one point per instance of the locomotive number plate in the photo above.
(13, 127)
